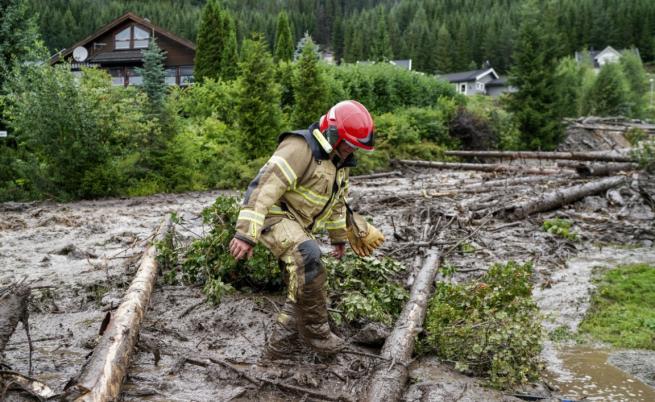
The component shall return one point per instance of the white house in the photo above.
(600, 58)
(478, 82)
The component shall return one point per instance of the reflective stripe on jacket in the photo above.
(300, 182)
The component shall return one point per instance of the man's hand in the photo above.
(240, 249)
(338, 250)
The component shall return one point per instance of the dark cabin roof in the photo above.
(466, 76)
(125, 17)
(501, 81)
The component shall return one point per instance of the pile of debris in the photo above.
(465, 216)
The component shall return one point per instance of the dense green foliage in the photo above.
(309, 88)
(364, 289)
(536, 103)
(609, 95)
(622, 309)
(490, 328)
(258, 107)
(283, 50)
(361, 289)
(480, 30)
(216, 54)
(78, 138)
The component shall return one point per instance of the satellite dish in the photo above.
(80, 54)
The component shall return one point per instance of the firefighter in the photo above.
(301, 190)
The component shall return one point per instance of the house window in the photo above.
(462, 88)
(186, 75)
(132, 37)
(123, 38)
(117, 76)
(171, 76)
(141, 38)
(134, 77)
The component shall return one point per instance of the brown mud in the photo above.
(80, 257)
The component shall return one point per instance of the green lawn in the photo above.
(622, 312)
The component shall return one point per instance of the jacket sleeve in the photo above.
(336, 223)
(279, 174)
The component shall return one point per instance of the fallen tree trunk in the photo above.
(599, 156)
(598, 169)
(388, 382)
(482, 167)
(102, 376)
(377, 175)
(13, 309)
(560, 197)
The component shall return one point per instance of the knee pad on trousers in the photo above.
(311, 260)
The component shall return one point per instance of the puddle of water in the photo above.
(585, 372)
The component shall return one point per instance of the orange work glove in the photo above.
(363, 237)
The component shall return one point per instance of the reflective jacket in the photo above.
(299, 182)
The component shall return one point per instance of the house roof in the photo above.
(405, 63)
(466, 76)
(501, 81)
(125, 17)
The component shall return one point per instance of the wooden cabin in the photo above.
(118, 48)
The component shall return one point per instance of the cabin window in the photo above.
(134, 77)
(186, 75)
(141, 38)
(132, 37)
(171, 76)
(123, 38)
(117, 76)
(462, 88)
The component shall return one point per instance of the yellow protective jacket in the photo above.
(299, 182)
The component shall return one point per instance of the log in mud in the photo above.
(102, 376)
(598, 156)
(388, 382)
(481, 167)
(598, 169)
(560, 197)
(13, 309)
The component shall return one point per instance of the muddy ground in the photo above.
(80, 257)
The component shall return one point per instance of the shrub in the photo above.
(363, 288)
(489, 328)
(561, 228)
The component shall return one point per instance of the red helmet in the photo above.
(351, 122)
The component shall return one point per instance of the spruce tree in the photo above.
(154, 76)
(210, 43)
(381, 46)
(283, 39)
(443, 50)
(302, 44)
(634, 72)
(309, 88)
(258, 105)
(569, 77)
(230, 56)
(536, 103)
(418, 40)
(338, 40)
(609, 95)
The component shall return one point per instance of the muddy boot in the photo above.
(313, 316)
(284, 338)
